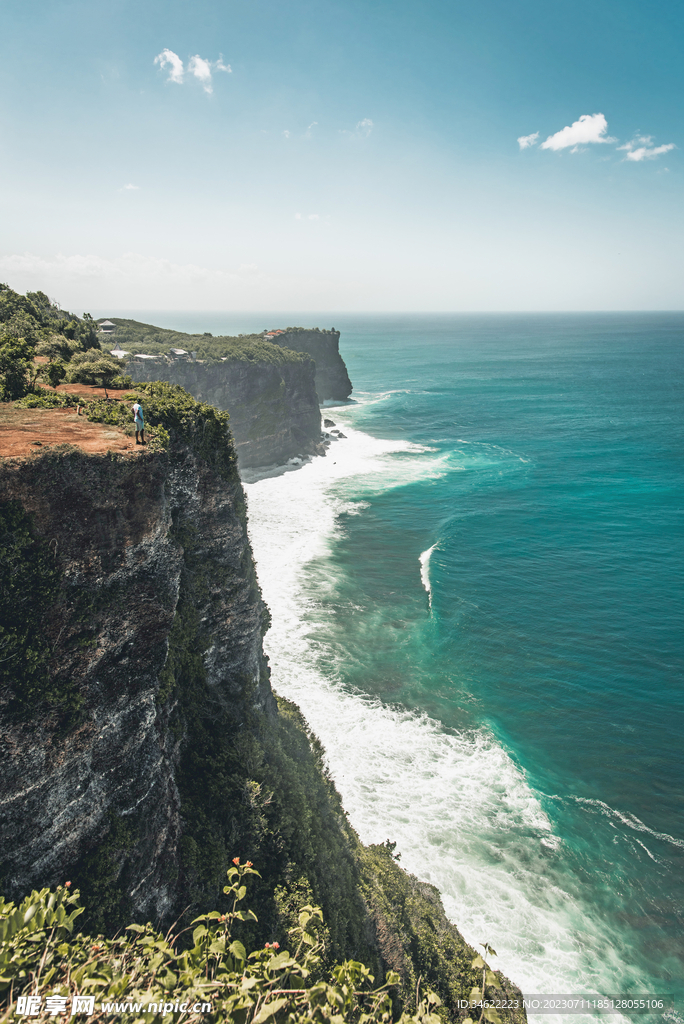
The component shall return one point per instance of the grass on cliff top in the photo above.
(134, 337)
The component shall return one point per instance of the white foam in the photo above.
(630, 820)
(460, 809)
(424, 560)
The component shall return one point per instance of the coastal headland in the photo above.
(144, 749)
(272, 383)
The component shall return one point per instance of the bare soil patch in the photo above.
(28, 431)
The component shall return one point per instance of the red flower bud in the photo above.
(236, 860)
(249, 864)
(67, 885)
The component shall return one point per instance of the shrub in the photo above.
(49, 400)
(145, 976)
(16, 360)
(187, 422)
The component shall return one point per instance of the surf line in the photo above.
(424, 560)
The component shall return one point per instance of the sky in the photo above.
(352, 155)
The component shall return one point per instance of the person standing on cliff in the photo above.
(139, 420)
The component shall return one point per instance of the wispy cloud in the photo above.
(129, 188)
(308, 132)
(525, 141)
(361, 131)
(200, 68)
(588, 128)
(286, 133)
(642, 148)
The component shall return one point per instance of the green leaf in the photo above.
(135, 928)
(478, 962)
(492, 979)
(238, 950)
(30, 912)
(491, 1015)
(270, 1009)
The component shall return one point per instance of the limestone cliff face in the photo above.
(117, 528)
(332, 379)
(273, 407)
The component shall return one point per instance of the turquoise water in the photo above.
(478, 604)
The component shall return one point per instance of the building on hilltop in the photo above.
(107, 327)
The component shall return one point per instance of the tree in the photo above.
(16, 360)
(93, 367)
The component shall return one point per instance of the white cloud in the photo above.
(286, 134)
(199, 67)
(130, 188)
(169, 59)
(642, 148)
(589, 128)
(313, 216)
(307, 133)
(525, 141)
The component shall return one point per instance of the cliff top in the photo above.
(135, 337)
(29, 431)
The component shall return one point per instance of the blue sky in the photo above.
(343, 155)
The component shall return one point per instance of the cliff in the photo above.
(271, 399)
(142, 745)
(102, 747)
(332, 379)
(270, 383)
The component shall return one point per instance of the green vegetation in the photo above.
(30, 583)
(49, 400)
(134, 337)
(16, 362)
(155, 977)
(31, 325)
(94, 367)
(179, 419)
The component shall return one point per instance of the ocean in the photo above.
(477, 603)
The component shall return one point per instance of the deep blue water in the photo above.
(540, 457)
